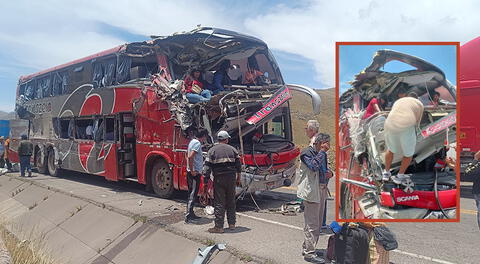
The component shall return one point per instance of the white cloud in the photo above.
(312, 30)
(40, 34)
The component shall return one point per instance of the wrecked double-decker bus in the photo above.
(122, 113)
(431, 191)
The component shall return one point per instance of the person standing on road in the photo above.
(2, 152)
(194, 171)
(313, 127)
(312, 188)
(5, 154)
(400, 134)
(25, 150)
(476, 190)
(223, 162)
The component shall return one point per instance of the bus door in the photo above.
(126, 145)
(109, 145)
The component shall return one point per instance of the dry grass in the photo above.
(30, 251)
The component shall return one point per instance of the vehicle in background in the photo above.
(121, 113)
(469, 132)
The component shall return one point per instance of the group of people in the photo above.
(198, 90)
(25, 151)
(223, 164)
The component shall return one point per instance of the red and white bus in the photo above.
(121, 113)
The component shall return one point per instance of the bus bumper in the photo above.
(254, 182)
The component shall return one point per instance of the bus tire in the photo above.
(40, 162)
(52, 169)
(162, 179)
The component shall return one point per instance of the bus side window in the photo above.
(98, 130)
(64, 128)
(110, 129)
(84, 128)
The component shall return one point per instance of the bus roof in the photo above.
(96, 55)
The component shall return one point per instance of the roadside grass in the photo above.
(28, 251)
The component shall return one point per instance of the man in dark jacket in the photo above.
(25, 150)
(223, 162)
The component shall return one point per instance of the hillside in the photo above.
(6, 115)
(301, 107)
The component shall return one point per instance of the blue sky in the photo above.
(36, 35)
(355, 58)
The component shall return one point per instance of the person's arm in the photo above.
(238, 167)
(196, 148)
(377, 108)
(315, 163)
(190, 157)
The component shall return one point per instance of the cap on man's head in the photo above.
(1, 137)
(222, 135)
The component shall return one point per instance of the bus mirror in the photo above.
(316, 100)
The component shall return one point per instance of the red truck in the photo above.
(469, 132)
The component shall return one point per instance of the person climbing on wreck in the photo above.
(375, 105)
(194, 88)
(400, 134)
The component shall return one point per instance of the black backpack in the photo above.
(351, 245)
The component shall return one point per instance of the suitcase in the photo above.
(352, 244)
(330, 254)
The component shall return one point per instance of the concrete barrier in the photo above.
(75, 231)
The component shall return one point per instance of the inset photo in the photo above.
(396, 131)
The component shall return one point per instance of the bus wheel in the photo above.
(162, 179)
(40, 163)
(52, 169)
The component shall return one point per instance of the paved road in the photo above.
(266, 236)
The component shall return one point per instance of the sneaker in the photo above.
(313, 259)
(399, 178)
(386, 176)
(216, 230)
(231, 227)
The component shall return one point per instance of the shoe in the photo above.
(399, 178)
(386, 175)
(30, 174)
(216, 230)
(231, 227)
(319, 253)
(313, 259)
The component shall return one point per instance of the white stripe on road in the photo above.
(423, 257)
(301, 229)
(271, 222)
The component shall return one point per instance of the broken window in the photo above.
(59, 86)
(84, 129)
(110, 129)
(123, 68)
(44, 87)
(66, 128)
(103, 72)
(30, 89)
(98, 130)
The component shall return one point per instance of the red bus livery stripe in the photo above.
(280, 97)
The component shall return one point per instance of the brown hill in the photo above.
(301, 109)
